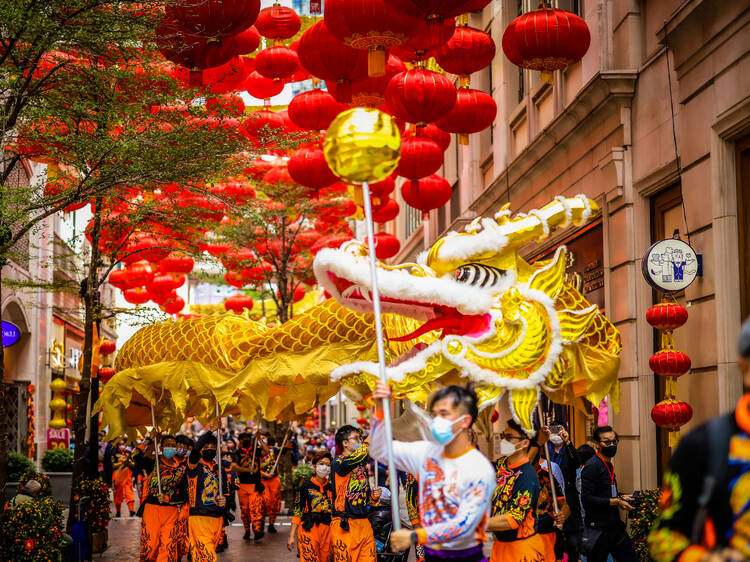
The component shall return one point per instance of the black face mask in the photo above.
(609, 451)
(208, 455)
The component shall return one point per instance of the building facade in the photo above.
(654, 125)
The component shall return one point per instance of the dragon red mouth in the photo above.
(442, 318)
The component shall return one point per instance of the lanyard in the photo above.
(610, 472)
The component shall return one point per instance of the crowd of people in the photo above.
(543, 500)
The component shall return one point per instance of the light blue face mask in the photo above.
(169, 452)
(356, 446)
(442, 430)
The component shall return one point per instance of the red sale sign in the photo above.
(58, 438)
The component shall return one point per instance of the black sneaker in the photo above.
(246, 536)
(272, 529)
(220, 548)
(118, 514)
(258, 536)
(132, 513)
(225, 542)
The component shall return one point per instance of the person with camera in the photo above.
(705, 499)
(604, 532)
(562, 452)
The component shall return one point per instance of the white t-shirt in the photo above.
(454, 492)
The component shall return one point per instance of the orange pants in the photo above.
(251, 507)
(122, 479)
(159, 533)
(182, 530)
(204, 534)
(272, 498)
(549, 546)
(355, 545)
(530, 549)
(315, 545)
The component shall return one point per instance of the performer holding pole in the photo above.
(250, 492)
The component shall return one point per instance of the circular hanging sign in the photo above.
(670, 265)
(11, 334)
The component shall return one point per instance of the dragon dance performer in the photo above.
(250, 487)
(411, 493)
(515, 500)
(549, 522)
(160, 512)
(312, 513)
(206, 519)
(122, 479)
(455, 479)
(351, 533)
(271, 482)
(184, 445)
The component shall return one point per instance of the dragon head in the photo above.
(480, 313)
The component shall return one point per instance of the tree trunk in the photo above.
(3, 410)
(89, 293)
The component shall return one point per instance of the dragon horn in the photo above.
(539, 223)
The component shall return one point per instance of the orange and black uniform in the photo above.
(312, 515)
(271, 486)
(351, 532)
(160, 529)
(249, 490)
(546, 513)
(122, 480)
(206, 519)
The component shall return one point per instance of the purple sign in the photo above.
(11, 334)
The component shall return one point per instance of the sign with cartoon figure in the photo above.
(670, 265)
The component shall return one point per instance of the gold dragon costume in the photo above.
(489, 317)
(184, 367)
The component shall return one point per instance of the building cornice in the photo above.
(606, 92)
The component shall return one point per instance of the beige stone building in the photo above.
(654, 125)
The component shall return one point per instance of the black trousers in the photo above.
(614, 541)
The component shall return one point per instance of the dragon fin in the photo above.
(522, 403)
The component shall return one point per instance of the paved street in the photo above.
(124, 535)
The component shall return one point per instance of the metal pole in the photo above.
(549, 463)
(281, 449)
(156, 449)
(218, 445)
(381, 354)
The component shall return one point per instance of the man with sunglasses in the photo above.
(604, 532)
(515, 500)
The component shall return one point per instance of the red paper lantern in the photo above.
(230, 104)
(386, 212)
(474, 111)
(175, 263)
(314, 110)
(370, 92)
(278, 175)
(373, 25)
(420, 157)
(107, 346)
(434, 9)
(214, 18)
(420, 96)
(238, 303)
(298, 294)
(263, 120)
(257, 168)
(669, 363)
(427, 193)
(106, 373)
(137, 274)
(289, 125)
(671, 414)
(386, 245)
(278, 22)
(383, 188)
(261, 87)
(276, 62)
(216, 249)
(308, 167)
(329, 59)
(425, 40)
(160, 286)
(362, 421)
(361, 408)
(468, 51)
(245, 42)
(137, 295)
(667, 316)
(173, 305)
(432, 132)
(546, 39)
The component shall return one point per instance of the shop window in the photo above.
(666, 220)
(574, 6)
(413, 218)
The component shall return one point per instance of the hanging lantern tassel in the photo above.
(376, 57)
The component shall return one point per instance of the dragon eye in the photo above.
(479, 275)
